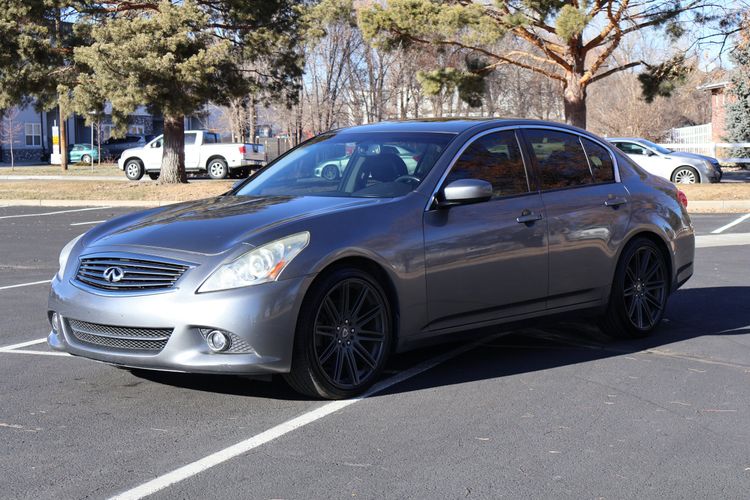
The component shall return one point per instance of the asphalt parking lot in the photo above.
(554, 410)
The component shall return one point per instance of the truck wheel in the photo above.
(134, 170)
(217, 169)
(153, 175)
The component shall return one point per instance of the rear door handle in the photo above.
(615, 202)
(528, 217)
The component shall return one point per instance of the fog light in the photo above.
(217, 341)
(55, 320)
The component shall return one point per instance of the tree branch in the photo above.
(614, 70)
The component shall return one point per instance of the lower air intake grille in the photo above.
(120, 337)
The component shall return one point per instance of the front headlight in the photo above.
(259, 265)
(65, 253)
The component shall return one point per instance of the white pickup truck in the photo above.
(204, 152)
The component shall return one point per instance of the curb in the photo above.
(719, 204)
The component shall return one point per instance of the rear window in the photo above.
(561, 159)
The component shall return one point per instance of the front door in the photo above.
(649, 160)
(487, 260)
(587, 214)
(152, 154)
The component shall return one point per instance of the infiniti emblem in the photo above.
(113, 274)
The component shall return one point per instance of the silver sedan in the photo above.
(322, 279)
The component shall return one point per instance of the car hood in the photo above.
(213, 225)
(695, 156)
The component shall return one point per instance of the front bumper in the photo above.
(262, 316)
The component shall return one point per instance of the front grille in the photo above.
(125, 274)
(119, 337)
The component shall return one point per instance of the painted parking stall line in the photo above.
(221, 456)
(8, 287)
(21, 345)
(87, 223)
(735, 222)
(52, 213)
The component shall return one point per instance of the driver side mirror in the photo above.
(649, 152)
(465, 191)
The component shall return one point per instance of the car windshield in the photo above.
(370, 164)
(656, 147)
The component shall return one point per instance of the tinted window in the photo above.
(599, 160)
(495, 158)
(189, 139)
(631, 148)
(561, 159)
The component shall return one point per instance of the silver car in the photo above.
(321, 280)
(678, 166)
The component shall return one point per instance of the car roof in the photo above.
(447, 125)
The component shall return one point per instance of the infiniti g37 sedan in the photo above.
(322, 279)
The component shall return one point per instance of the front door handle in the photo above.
(615, 202)
(527, 216)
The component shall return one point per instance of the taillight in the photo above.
(682, 197)
(242, 149)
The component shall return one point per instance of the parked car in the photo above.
(333, 168)
(678, 166)
(204, 152)
(321, 280)
(83, 153)
(113, 147)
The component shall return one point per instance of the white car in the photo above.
(204, 152)
(677, 166)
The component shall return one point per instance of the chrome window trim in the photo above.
(514, 128)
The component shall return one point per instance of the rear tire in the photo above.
(343, 336)
(217, 169)
(86, 159)
(134, 170)
(639, 291)
(685, 175)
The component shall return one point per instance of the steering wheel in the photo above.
(408, 179)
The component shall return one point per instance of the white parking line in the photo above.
(87, 223)
(38, 353)
(722, 240)
(25, 284)
(52, 213)
(22, 344)
(736, 221)
(238, 449)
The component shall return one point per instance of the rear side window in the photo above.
(600, 161)
(561, 159)
(495, 158)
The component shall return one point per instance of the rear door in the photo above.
(587, 211)
(192, 151)
(487, 260)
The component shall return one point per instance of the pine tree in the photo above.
(737, 117)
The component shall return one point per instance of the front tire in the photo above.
(217, 169)
(639, 291)
(685, 175)
(343, 336)
(330, 172)
(133, 170)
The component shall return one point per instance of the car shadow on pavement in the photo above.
(693, 312)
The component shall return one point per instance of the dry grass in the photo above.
(721, 191)
(105, 169)
(103, 190)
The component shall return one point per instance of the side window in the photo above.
(495, 158)
(600, 161)
(561, 159)
(631, 148)
(189, 139)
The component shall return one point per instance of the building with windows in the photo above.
(30, 131)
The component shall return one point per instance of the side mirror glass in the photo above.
(649, 152)
(465, 191)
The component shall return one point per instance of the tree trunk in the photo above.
(63, 140)
(574, 101)
(173, 159)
